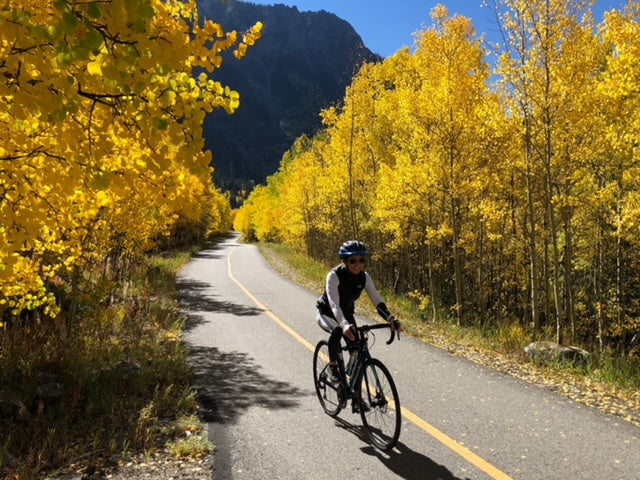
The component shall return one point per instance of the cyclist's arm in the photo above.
(334, 299)
(375, 297)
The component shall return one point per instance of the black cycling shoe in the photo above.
(333, 375)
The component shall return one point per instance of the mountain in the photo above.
(302, 64)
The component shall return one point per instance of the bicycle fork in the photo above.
(377, 400)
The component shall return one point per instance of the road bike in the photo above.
(366, 381)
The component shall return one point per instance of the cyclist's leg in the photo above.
(334, 345)
(325, 322)
(330, 325)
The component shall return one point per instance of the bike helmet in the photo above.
(352, 247)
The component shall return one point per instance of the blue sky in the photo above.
(386, 26)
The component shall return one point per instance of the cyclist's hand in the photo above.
(349, 331)
(395, 323)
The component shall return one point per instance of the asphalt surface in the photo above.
(250, 332)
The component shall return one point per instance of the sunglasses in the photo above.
(353, 261)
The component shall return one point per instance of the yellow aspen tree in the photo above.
(546, 68)
(617, 311)
(349, 173)
(289, 207)
(403, 206)
(242, 221)
(301, 204)
(101, 132)
(385, 88)
(264, 211)
(340, 180)
(448, 112)
(315, 194)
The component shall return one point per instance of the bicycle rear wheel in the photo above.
(330, 396)
(379, 405)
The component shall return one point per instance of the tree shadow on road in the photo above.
(403, 461)
(210, 254)
(228, 383)
(195, 296)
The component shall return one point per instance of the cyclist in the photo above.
(336, 306)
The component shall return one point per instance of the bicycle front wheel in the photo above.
(379, 405)
(330, 395)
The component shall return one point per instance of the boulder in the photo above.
(551, 352)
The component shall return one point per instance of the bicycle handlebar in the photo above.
(378, 326)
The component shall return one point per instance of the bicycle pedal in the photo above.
(355, 408)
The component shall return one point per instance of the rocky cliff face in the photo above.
(302, 64)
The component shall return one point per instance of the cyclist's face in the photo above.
(356, 264)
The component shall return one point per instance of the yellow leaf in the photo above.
(102, 198)
(94, 68)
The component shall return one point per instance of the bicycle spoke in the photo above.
(379, 405)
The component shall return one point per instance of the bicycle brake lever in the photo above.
(391, 338)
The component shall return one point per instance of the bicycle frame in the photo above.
(362, 347)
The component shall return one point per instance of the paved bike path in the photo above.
(258, 398)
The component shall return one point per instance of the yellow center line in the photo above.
(439, 435)
(273, 317)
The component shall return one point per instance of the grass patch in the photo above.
(193, 443)
(297, 266)
(114, 383)
(189, 440)
(621, 372)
